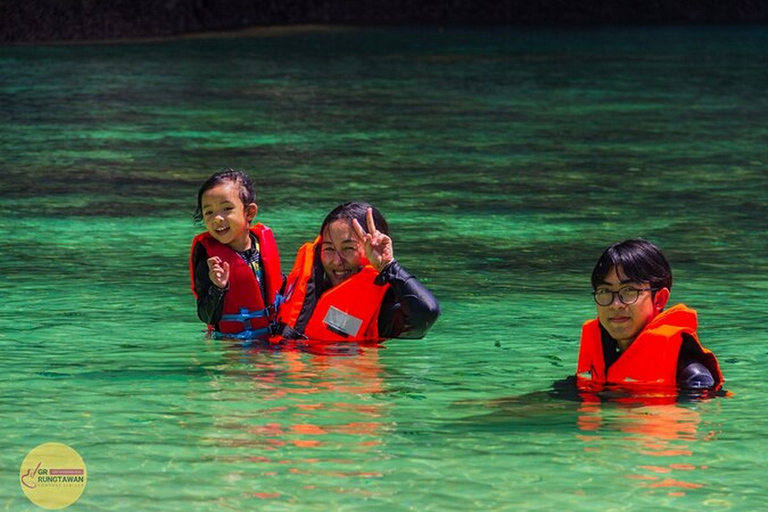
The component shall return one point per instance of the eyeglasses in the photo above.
(627, 295)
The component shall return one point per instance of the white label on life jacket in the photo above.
(342, 323)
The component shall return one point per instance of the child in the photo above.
(633, 341)
(235, 267)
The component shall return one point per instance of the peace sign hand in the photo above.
(378, 246)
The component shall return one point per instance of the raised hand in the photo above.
(218, 272)
(378, 246)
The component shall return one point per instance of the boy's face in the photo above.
(625, 321)
(225, 216)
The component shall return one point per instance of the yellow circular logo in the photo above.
(53, 476)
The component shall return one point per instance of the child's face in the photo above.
(225, 216)
(625, 321)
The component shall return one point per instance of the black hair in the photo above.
(640, 260)
(356, 210)
(239, 178)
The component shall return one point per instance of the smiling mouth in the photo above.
(340, 275)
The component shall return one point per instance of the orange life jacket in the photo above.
(348, 311)
(650, 361)
(246, 312)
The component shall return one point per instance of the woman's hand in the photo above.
(378, 246)
(218, 272)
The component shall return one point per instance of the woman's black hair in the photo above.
(356, 210)
(239, 178)
(640, 260)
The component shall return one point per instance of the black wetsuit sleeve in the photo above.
(692, 373)
(408, 309)
(210, 298)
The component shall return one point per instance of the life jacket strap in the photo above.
(245, 316)
(287, 332)
(248, 334)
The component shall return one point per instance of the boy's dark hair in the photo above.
(640, 260)
(239, 178)
(356, 210)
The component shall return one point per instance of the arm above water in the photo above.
(409, 309)
(210, 298)
(692, 374)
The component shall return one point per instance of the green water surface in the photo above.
(506, 160)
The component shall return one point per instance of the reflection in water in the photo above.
(303, 413)
(667, 432)
(654, 437)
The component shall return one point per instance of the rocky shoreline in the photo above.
(33, 21)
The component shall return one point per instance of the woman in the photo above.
(347, 285)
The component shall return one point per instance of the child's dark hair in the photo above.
(356, 210)
(640, 260)
(239, 178)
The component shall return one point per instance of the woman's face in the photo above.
(341, 253)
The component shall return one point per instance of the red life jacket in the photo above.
(348, 311)
(245, 309)
(651, 359)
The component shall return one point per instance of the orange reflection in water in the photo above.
(307, 403)
(655, 431)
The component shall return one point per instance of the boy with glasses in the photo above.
(634, 341)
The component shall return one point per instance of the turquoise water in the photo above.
(506, 160)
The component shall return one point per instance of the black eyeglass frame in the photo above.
(618, 294)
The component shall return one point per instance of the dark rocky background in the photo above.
(72, 20)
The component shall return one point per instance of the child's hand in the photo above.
(218, 271)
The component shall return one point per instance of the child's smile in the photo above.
(226, 217)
